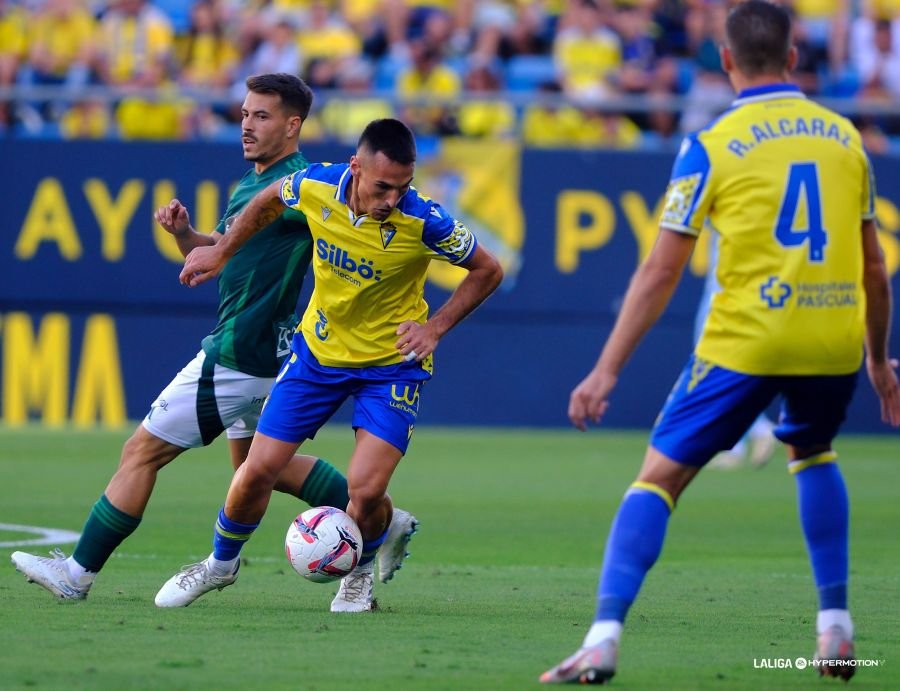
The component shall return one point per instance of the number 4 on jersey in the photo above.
(803, 179)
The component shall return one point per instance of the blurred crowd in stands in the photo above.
(555, 73)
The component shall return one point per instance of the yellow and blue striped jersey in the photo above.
(369, 275)
(787, 184)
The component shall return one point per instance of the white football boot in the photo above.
(52, 573)
(393, 550)
(355, 593)
(191, 582)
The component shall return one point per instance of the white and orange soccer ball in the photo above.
(323, 544)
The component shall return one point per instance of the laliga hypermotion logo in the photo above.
(815, 663)
(774, 292)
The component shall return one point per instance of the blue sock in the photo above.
(229, 537)
(370, 547)
(825, 518)
(634, 544)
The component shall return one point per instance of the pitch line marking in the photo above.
(48, 536)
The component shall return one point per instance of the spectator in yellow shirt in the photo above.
(345, 117)
(61, 49)
(587, 52)
(325, 41)
(136, 41)
(86, 120)
(427, 88)
(206, 56)
(484, 114)
(13, 44)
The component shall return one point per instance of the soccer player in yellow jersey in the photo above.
(223, 388)
(366, 333)
(805, 295)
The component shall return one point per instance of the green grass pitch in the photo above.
(500, 585)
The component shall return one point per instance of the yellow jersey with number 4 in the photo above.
(786, 184)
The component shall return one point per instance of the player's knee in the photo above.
(145, 450)
(258, 477)
(367, 498)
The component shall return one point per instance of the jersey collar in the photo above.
(343, 189)
(343, 186)
(768, 92)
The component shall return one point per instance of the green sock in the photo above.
(103, 532)
(325, 486)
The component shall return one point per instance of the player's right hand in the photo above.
(588, 401)
(173, 218)
(200, 265)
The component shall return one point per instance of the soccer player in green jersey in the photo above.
(223, 388)
(805, 299)
(367, 334)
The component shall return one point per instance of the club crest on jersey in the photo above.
(388, 231)
(326, 212)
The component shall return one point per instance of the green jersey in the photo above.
(260, 284)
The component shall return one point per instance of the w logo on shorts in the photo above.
(405, 396)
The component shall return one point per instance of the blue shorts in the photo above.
(710, 408)
(307, 393)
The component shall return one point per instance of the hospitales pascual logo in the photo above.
(803, 663)
(775, 292)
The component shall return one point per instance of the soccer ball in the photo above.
(323, 544)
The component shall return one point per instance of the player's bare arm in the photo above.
(879, 366)
(174, 219)
(204, 263)
(648, 294)
(417, 341)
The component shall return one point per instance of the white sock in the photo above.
(829, 617)
(78, 573)
(601, 630)
(740, 448)
(221, 568)
(761, 427)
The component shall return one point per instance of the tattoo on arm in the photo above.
(267, 213)
(256, 216)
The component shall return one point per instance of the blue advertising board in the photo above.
(93, 320)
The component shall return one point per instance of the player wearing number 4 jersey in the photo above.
(804, 286)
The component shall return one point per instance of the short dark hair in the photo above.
(392, 138)
(296, 96)
(759, 36)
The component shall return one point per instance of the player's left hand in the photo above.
(884, 380)
(200, 265)
(416, 341)
(588, 401)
